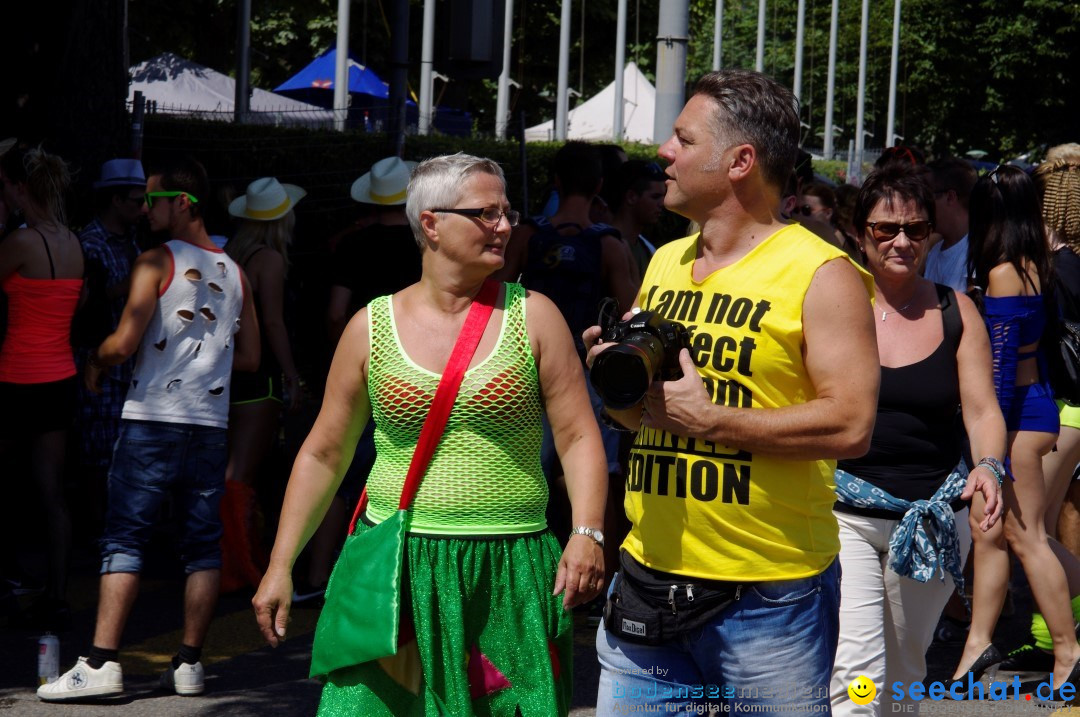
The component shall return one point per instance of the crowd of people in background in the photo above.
(865, 427)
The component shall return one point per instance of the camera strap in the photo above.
(651, 607)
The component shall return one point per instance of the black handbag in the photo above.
(1064, 362)
(652, 607)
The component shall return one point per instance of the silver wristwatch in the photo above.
(593, 533)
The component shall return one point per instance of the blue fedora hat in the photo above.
(121, 173)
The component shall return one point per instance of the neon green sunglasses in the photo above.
(151, 196)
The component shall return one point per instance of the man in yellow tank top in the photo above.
(728, 590)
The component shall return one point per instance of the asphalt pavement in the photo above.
(244, 677)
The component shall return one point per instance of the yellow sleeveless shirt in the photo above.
(718, 512)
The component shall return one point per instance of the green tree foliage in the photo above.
(996, 75)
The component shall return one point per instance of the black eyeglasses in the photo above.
(488, 215)
(915, 231)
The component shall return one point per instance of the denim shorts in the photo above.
(771, 651)
(152, 461)
(1033, 409)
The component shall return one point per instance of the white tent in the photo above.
(180, 86)
(594, 119)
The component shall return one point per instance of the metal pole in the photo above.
(502, 101)
(399, 64)
(523, 159)
(427, 57)
(617, 124)
(561, 100)
(831, 89)
(718, 35)
(759, 63)
(890, 122)
(581, 55)
(861, 106)
(800, 26)
(138, 112)
(242, 102)
(670, 65)
(341, 67)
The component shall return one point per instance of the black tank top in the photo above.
(918, 435)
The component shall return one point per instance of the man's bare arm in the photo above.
(840, 355)
(146, 276)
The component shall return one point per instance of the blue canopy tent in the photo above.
(369, 95)
(315, 83)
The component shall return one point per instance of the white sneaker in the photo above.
(186, 679)
(83, 681)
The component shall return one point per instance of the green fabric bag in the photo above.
(359, 621)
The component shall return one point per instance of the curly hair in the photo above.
(1059, 187)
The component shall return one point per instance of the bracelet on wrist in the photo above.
(994, 466)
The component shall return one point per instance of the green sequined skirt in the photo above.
(491, 639)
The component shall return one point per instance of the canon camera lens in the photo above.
(622, 374)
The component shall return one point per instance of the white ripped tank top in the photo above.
(185, 359)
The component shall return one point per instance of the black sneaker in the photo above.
(1028, 658)
(24, 585)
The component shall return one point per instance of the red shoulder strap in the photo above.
(445, 395)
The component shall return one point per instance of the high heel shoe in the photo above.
(983, 670)
(1074, 680)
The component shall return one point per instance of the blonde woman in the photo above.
(41, 270)
(261, 248)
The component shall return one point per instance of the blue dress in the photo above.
(1015, 321)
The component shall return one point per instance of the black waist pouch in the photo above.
(652, 607)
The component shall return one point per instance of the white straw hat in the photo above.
(266, 199)
(385, 184)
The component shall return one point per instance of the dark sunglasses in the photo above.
(806, 210)
(488, 215)
(915, 231)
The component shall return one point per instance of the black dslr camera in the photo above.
(647, 349)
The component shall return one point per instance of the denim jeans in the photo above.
(771, 650)
(152, 461)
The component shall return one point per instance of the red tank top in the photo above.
(37, 347)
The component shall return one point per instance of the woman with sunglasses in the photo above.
(1009, 258)
(483, 580)
(901, 508)
(41, 272)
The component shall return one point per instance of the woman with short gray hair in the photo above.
(483, 573)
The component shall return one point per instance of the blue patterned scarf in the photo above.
(925, 541)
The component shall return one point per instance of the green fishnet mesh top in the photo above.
(485, 477)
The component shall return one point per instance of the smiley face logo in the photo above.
(861, 690)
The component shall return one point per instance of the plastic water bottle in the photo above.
(48, 661)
